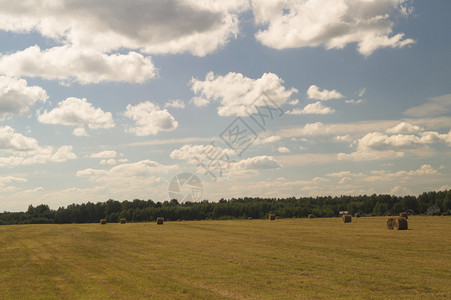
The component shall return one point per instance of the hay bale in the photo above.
(271, 217)
(391, 223)
(103, 221)
(347, 219)
(403, 215)
(400, 224)
(160, 221)
(123, 221)
(310, 216)
(357, 215)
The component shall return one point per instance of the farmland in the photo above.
(285, 258)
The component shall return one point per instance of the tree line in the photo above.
(235, 208)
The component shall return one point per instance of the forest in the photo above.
(235, 208)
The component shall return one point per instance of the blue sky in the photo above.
(112, 99)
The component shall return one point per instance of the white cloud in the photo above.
(314, 92)
(171, 26)
(63, 154)
(80, 131)
(150, 119)
(352, 101)
(11, 140)
(332, 23)
(11, 179)
(316, 108)
(199, 101)
(404, 127)
(362, 92)
(77, 112)
(105, 154)
(236, 93)
(376, 145)
(200, 153)
(436, 106)
(283, 150)
(24, 150)
(127, 172)
(110, 161)
(16, 97)
(267, 140)
(258, 163)
(399, 190)
(142, 180)
(175, 104)
(344, 138)
(82, 65)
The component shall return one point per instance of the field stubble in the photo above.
(285, 258)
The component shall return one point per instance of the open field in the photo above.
(285, 258)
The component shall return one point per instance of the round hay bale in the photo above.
(347, 219)
(123, 221)
(400, 224)
(310, 216)
(160, 221)
(357, 215)
(103, 221)
(271, 217)
(403, 215)
(391, 223)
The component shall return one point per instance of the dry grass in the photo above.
(228, 259)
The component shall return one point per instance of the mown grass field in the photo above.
(285, 258)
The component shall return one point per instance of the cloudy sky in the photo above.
(112, 99)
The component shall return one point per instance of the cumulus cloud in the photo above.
(104, 154)
(237, 93)
(258, 163)
(150, 119)
(376, 145)
(267, 140)
(16, 97)
(22, 150)
(405, 127)
(199, 153)
(283, 150)
(110, 161)
(82, 65)
(314, 92)
(331, 23)
(436, 106)
(171, 26)
(126, 171)
(13, 141)
(77, 112)
(11, 179)
(316, 108)
(175, 104)
(80, 131)
(63, 154)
